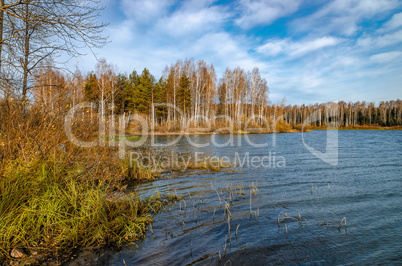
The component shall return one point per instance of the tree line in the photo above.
(346, 114)
(193, 87)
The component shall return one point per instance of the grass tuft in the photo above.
(45, 207)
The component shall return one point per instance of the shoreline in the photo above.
(205, 133)
(308, 129)
(358, 128)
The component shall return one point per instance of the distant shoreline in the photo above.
(205, 133)
(308, 129)
(359, 128)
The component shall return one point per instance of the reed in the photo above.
(46, 207)
(286, 218)
(340, 224)
(312, 188)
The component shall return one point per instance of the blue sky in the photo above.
(308, 51)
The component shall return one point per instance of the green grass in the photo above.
(129, 138)
(47, 207)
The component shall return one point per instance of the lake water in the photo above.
(364, 187)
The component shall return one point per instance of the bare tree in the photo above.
(41, 29)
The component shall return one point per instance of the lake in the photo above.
(231, 217)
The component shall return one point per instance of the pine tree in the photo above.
(91, 88)
(145, 90)
(184, 94)
(119, 100)
(130, 93)
(160, 97)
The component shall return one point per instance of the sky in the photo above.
(310, 51)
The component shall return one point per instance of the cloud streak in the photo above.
(261, 12)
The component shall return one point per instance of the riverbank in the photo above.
(358, 127)
(181, 133)
(50, 209)
(285, 128)
(220, 131)
(57, 212)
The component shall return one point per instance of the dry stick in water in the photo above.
(219, 196)
(286, 227)
(312, 188)
(185, 205)
(216, 193)
(229, 230)
(227, 262)
(340, 224)
(250, 204)
(237, 228)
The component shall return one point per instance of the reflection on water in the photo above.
(232, 217)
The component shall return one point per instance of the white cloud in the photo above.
(273, 47)
(373, 42)
(261, 12)
(223, 50)
(394, 22)
(343, 16)
(313, 45)
(387, 57)
(295, 49)
(145, 11)
(192, 5)
(193, 22)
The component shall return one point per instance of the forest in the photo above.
(194, 88)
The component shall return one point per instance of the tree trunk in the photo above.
(26, 56)
(1, 33)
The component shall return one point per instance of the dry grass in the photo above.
(54, 196)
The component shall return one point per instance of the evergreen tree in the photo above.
(91, 88)
(119, 100)
(160, 97)
(130, 93)
(184, 94)
(145, 90)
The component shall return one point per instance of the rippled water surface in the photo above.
(365, 188)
